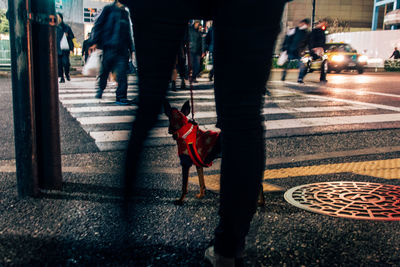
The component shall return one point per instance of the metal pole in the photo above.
(313, 14)
(46, 95)
(23, 98)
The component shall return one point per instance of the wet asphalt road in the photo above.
(86, 225)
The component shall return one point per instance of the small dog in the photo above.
(195, 146)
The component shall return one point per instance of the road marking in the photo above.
(101, 109)
(338, 89)
(212, 115)
(386, 169)
(90, 95)
(112, 136)
(87, 101)
(377, 106)
(329, 121)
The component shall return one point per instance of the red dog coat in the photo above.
(194, 141)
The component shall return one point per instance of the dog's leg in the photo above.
(185, 178)
(200, 173)
(261, 198)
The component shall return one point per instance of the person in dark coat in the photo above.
(316, 44)
(63, 52)
(245, 33)
(295, 42)
(196, 49)
(396, 54)
(112, 32)
(210, 48)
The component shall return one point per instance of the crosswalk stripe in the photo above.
(101, 109)
(198, 115)
(123, 135)
(328, 121)
(107, 123)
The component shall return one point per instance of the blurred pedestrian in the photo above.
(295, 43)
(210, 48)
(112, 32)
(396, 54)
(85, 48)
(245, 36)
(180, 65)
(64, 47)
(316, 45)
(196, 49)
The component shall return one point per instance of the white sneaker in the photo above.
(217, 260)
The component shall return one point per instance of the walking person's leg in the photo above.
(61, 68)
(66, 64)
(158, 35)
(121, 67)
(239, 102)
(302, 71)
(106, 67)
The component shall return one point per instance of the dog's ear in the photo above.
(186, 108)
(167, 108)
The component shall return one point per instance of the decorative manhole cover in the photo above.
(355, 200)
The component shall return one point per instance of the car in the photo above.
(337, 57)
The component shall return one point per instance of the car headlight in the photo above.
(338, 58)
(362, 59)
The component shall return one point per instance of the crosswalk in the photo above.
(287, 112)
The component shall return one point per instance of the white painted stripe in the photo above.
(123, 135)
(329, 121)
(113, 136)
(100, 109)
(357, 91)
(208, 114)
(91, 95)
(68, 91)
(359, 103)
(205, 91)
(87, 101)
(105, 120)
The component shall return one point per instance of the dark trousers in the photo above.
(195, 59)
(211, 74)
(63, 64)
(181, 66)
(114, 61)
(246, 43)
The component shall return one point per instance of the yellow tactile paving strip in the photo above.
(386, 169)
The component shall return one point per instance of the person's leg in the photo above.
(158, 35)
(193, 65)
(322, 77)
(211, 74)
(106, 67)
(121, 66)
(302, 71)
(239, 102)
(60, 68)
(66, 64)
(284, 72)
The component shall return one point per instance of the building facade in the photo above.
(80, 14)
(354, 15)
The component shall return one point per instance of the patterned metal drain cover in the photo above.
(355, 200)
